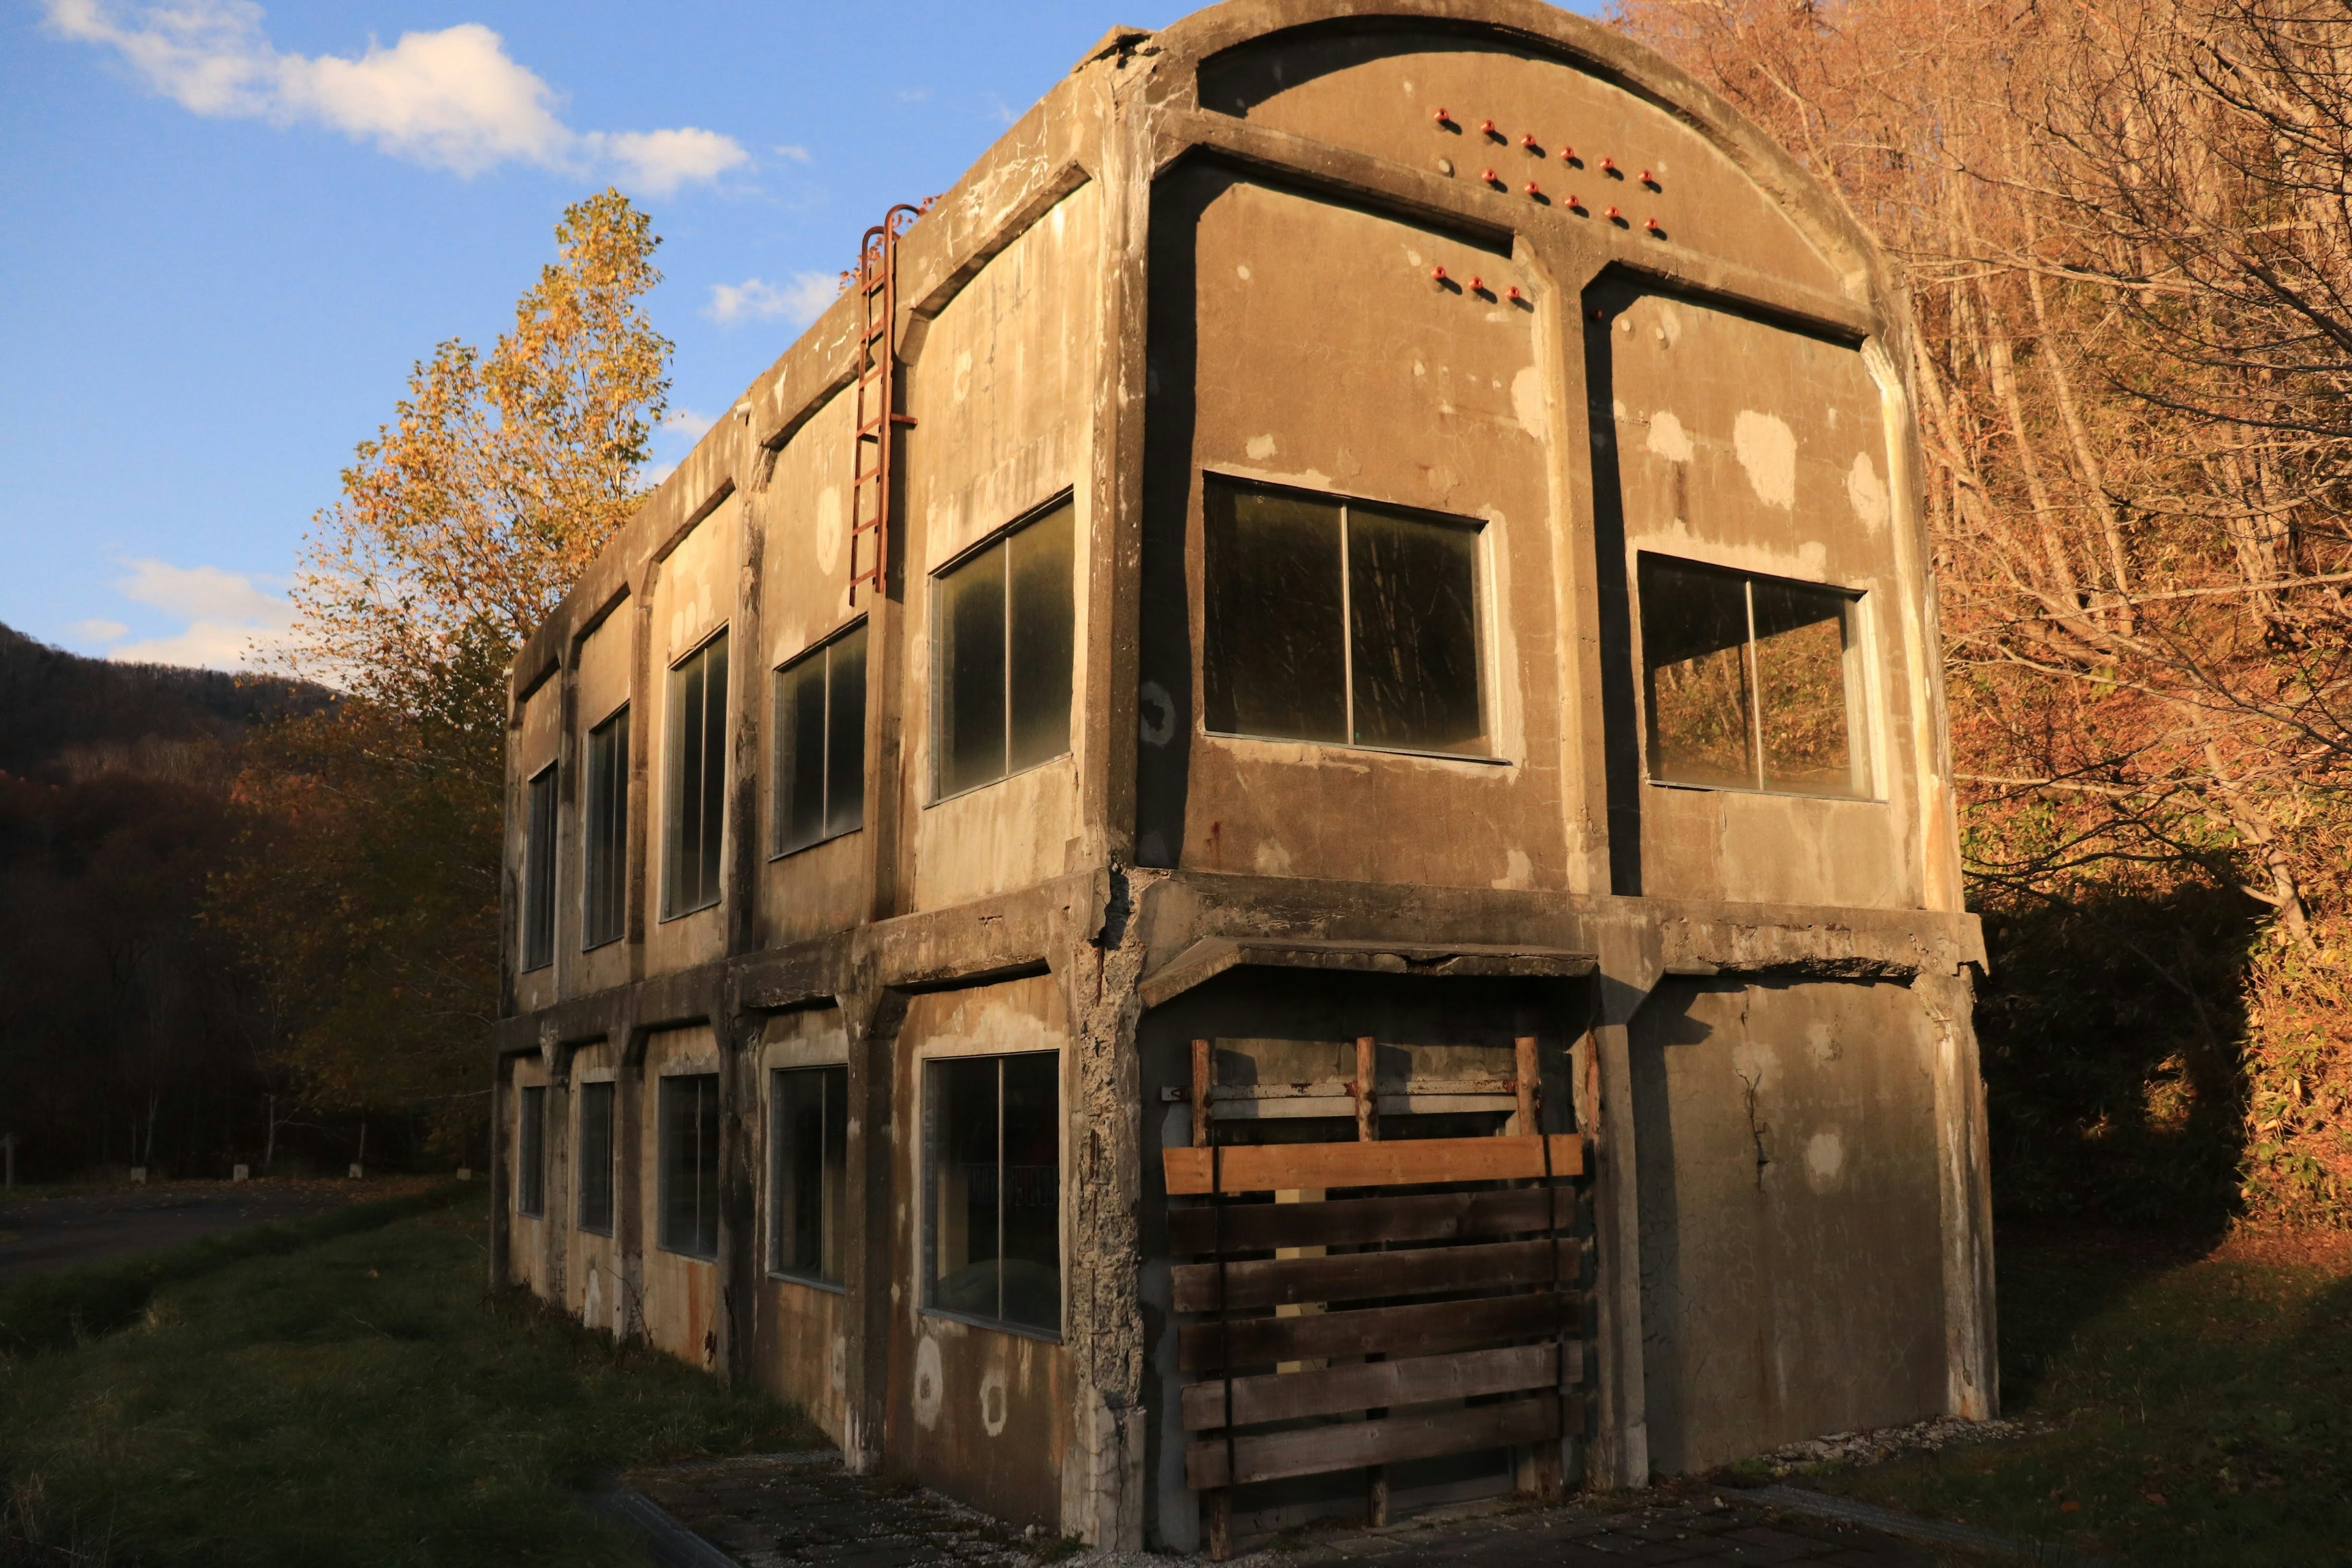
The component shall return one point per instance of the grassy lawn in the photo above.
(2194, 1409)
(356, 1400)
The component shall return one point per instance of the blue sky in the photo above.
(227, 229)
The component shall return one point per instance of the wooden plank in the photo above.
(1362, 1276)
(1350, 1444)
(1355, 1222)
(1336, 1390)
(1273, 1167)
(1204, 1077)
(1421, 1329)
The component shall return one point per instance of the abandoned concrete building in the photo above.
(1269, 834)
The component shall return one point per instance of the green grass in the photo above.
(2194, 1410)
(357, 1400)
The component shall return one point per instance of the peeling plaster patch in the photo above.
(1519, 872)
(593, 1305)
(1617, 407)
(1271, 859)
(1767, 449)
(1260, 447)
(1867, 493)
(928, 1384)
(1824, 1160)
(1824, 1041)
(1243, 272)
(1419, 368)
(1411, 257)
(1670, 324)
(992, 1402)
(829, 529)
(1528, 400)
(837, 1373)
(1668, 439)
(963, 376)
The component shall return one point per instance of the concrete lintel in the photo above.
(1211, 956)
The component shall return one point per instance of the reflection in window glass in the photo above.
(1338, 621)
(530, 1153)
(820, 741)
(596, 1157)
(1747, 681)
(539, 874)
(808, 1155)
(604, 903)
(1005, 652)
(993, 1236)
(697, 779)
(689, 1164)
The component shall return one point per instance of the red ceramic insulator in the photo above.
(1477, 284)
(1489, 177)
(1528, 141)
(1651, 224)
(1611, 213)
(1514, 294)
(1443, 118)
(1488, 126)
(1437, 275)
(1607, 164)
(1568, 154)
(1573, 202)
(1645, 179)
(1531, 189)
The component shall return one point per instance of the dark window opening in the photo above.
(539, 874)
(808, 1165)
(530, 1153)
(1005, 640)
(689, 1165)
(1341, 622)
(819, 726)
(1750, 682)
(697, 779)
(595, 1162)
(604, 909)
(992, 1237)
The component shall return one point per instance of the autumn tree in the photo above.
(368, 889)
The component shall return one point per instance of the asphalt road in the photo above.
(41, 1234)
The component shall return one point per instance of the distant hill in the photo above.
(61, 713)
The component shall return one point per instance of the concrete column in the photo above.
(872, 1017)
(1963, 1172)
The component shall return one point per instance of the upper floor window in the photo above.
(1004, 653)
(697, 779)
(1750, 682)
(819, 727)
(604, 904)
(538, 873)
(1341, 621)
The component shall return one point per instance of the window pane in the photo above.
(689, 1165)
(844, 750)
(1032, 1189)
(539, 875)
(963, 1158)
(1039, 570)
(714, 767)
(531, 1143)
(605, 833)
(596, 1157)
(810, 1146)
(1273, 656)
(1413, 601)
(800, 753)
(681, 861)
(972, 672)
(1693, 647)
(1800, 690)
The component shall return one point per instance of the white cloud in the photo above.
(98, 631)
(453, 100)
(800, 300)
(229, 619)
(687, 424)
(792, 151)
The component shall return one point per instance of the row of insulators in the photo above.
(1476, 285)
(1566, 154)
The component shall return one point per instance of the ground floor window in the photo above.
(992, 1173)
(596, 1157)
(530, 1153)
(808, 1163)
(689, 1164)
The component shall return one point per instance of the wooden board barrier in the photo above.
(1275, 1167)
(1422, 1329)
(1365, 1276)
(1356, 1222)
(1343, 1446)
(1368, 1385)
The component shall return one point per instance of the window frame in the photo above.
(940, 652)
(776, 1268)
(619, 722)
(607, 1090)
(530, 1150)
(673, 907)
(1861, 726)
(929, 1134)
(663, 1240)
(1483, 622)
(540, 831)
(823, 649)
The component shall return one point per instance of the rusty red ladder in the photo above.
(870, 464)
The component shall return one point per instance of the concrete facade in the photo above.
(1208, 263)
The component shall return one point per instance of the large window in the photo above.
(538, 873)
(1750, 682)
(808, 1163)
(1004, 655)
(596, 1157)
(820, 740)
(1343, 622)
(530, 1153)
(697, 779)
(604, 905)
(992, 1162)
(689, 1164)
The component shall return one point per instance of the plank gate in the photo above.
(1495, 1358)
